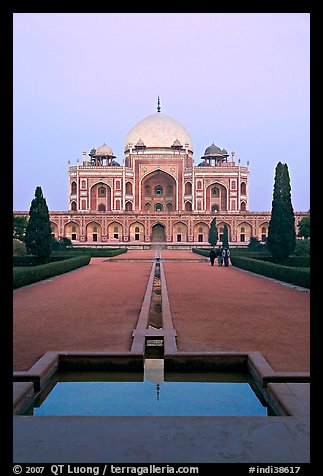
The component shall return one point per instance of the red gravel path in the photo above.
(91, 308)
(227, 309)
(213, 309)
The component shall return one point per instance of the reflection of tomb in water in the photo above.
(155, 312)
(151, 393)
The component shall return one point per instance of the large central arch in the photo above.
(216, 197)
(158, 233)
(100, 197)
(158, 188)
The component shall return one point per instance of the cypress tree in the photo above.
(38, 236)
(225, 240)
(213, 233)
(281, 231)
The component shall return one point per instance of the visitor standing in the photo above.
(219, 256)
(212, 256)
(226, 256)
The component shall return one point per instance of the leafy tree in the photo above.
(60, 244)
(18, 248)
(38, 237)
(303, 248)
(225, 239)
(281, 239)
(19, 227)
(304, 228)
(213, 233)
(255, 244)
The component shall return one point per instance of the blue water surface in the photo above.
(148, 399)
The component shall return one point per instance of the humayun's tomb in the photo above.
(158, 195)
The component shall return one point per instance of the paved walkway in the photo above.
(96, 308)
(228, 309)
(213, 309)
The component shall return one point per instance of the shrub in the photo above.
(303, 248)
(29, 275)
(61, 244)
(29, 260)
(294, 261)
(255, 244)
(93, 252)
(18, 248)
(288, 274)
(202, 251)
(235, 252)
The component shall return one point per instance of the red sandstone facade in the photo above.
(158, 195)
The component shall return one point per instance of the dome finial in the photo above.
(158, 105)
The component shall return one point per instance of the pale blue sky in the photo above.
(240, 80)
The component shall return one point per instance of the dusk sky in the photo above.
(240, 80)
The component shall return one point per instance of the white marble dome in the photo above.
(158, 130)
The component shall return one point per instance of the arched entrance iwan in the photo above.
(158, 233)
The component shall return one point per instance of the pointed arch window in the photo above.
(129, 188)
(263, 234)
(101, 192)
(73, 188)
(188, 188)
(158, 191)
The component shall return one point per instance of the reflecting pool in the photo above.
(151, 394)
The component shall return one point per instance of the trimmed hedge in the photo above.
(93, 252)
(288, 274)
(30, 260)
(259, 263)
(33, 274)
(294, 261)
(202, 251)
(233, 252)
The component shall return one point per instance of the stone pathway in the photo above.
(213, 309)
